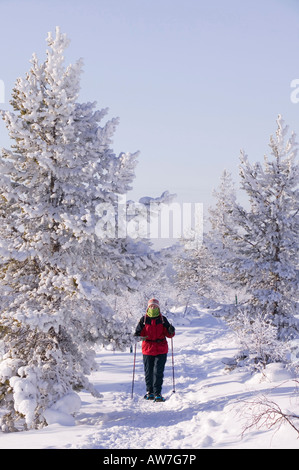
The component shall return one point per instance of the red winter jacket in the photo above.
(156, 330)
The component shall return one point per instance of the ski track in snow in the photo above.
(202, 413)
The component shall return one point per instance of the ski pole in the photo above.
(134, 369)
(172, 366)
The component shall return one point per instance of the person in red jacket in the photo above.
(153, 328)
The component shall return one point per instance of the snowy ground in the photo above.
(208, 409)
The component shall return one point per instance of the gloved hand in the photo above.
(171, 329)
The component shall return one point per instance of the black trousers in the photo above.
(154, 372)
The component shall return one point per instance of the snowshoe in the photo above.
(159, 398)
(149, 396)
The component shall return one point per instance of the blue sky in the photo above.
(192, 81)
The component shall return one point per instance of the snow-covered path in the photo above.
(175, 423)
(204, 412)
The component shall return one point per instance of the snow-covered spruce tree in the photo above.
(221, 252)
(193, 279)
(55, 272)
(221, 215)
(261, 242)
(199, 266)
